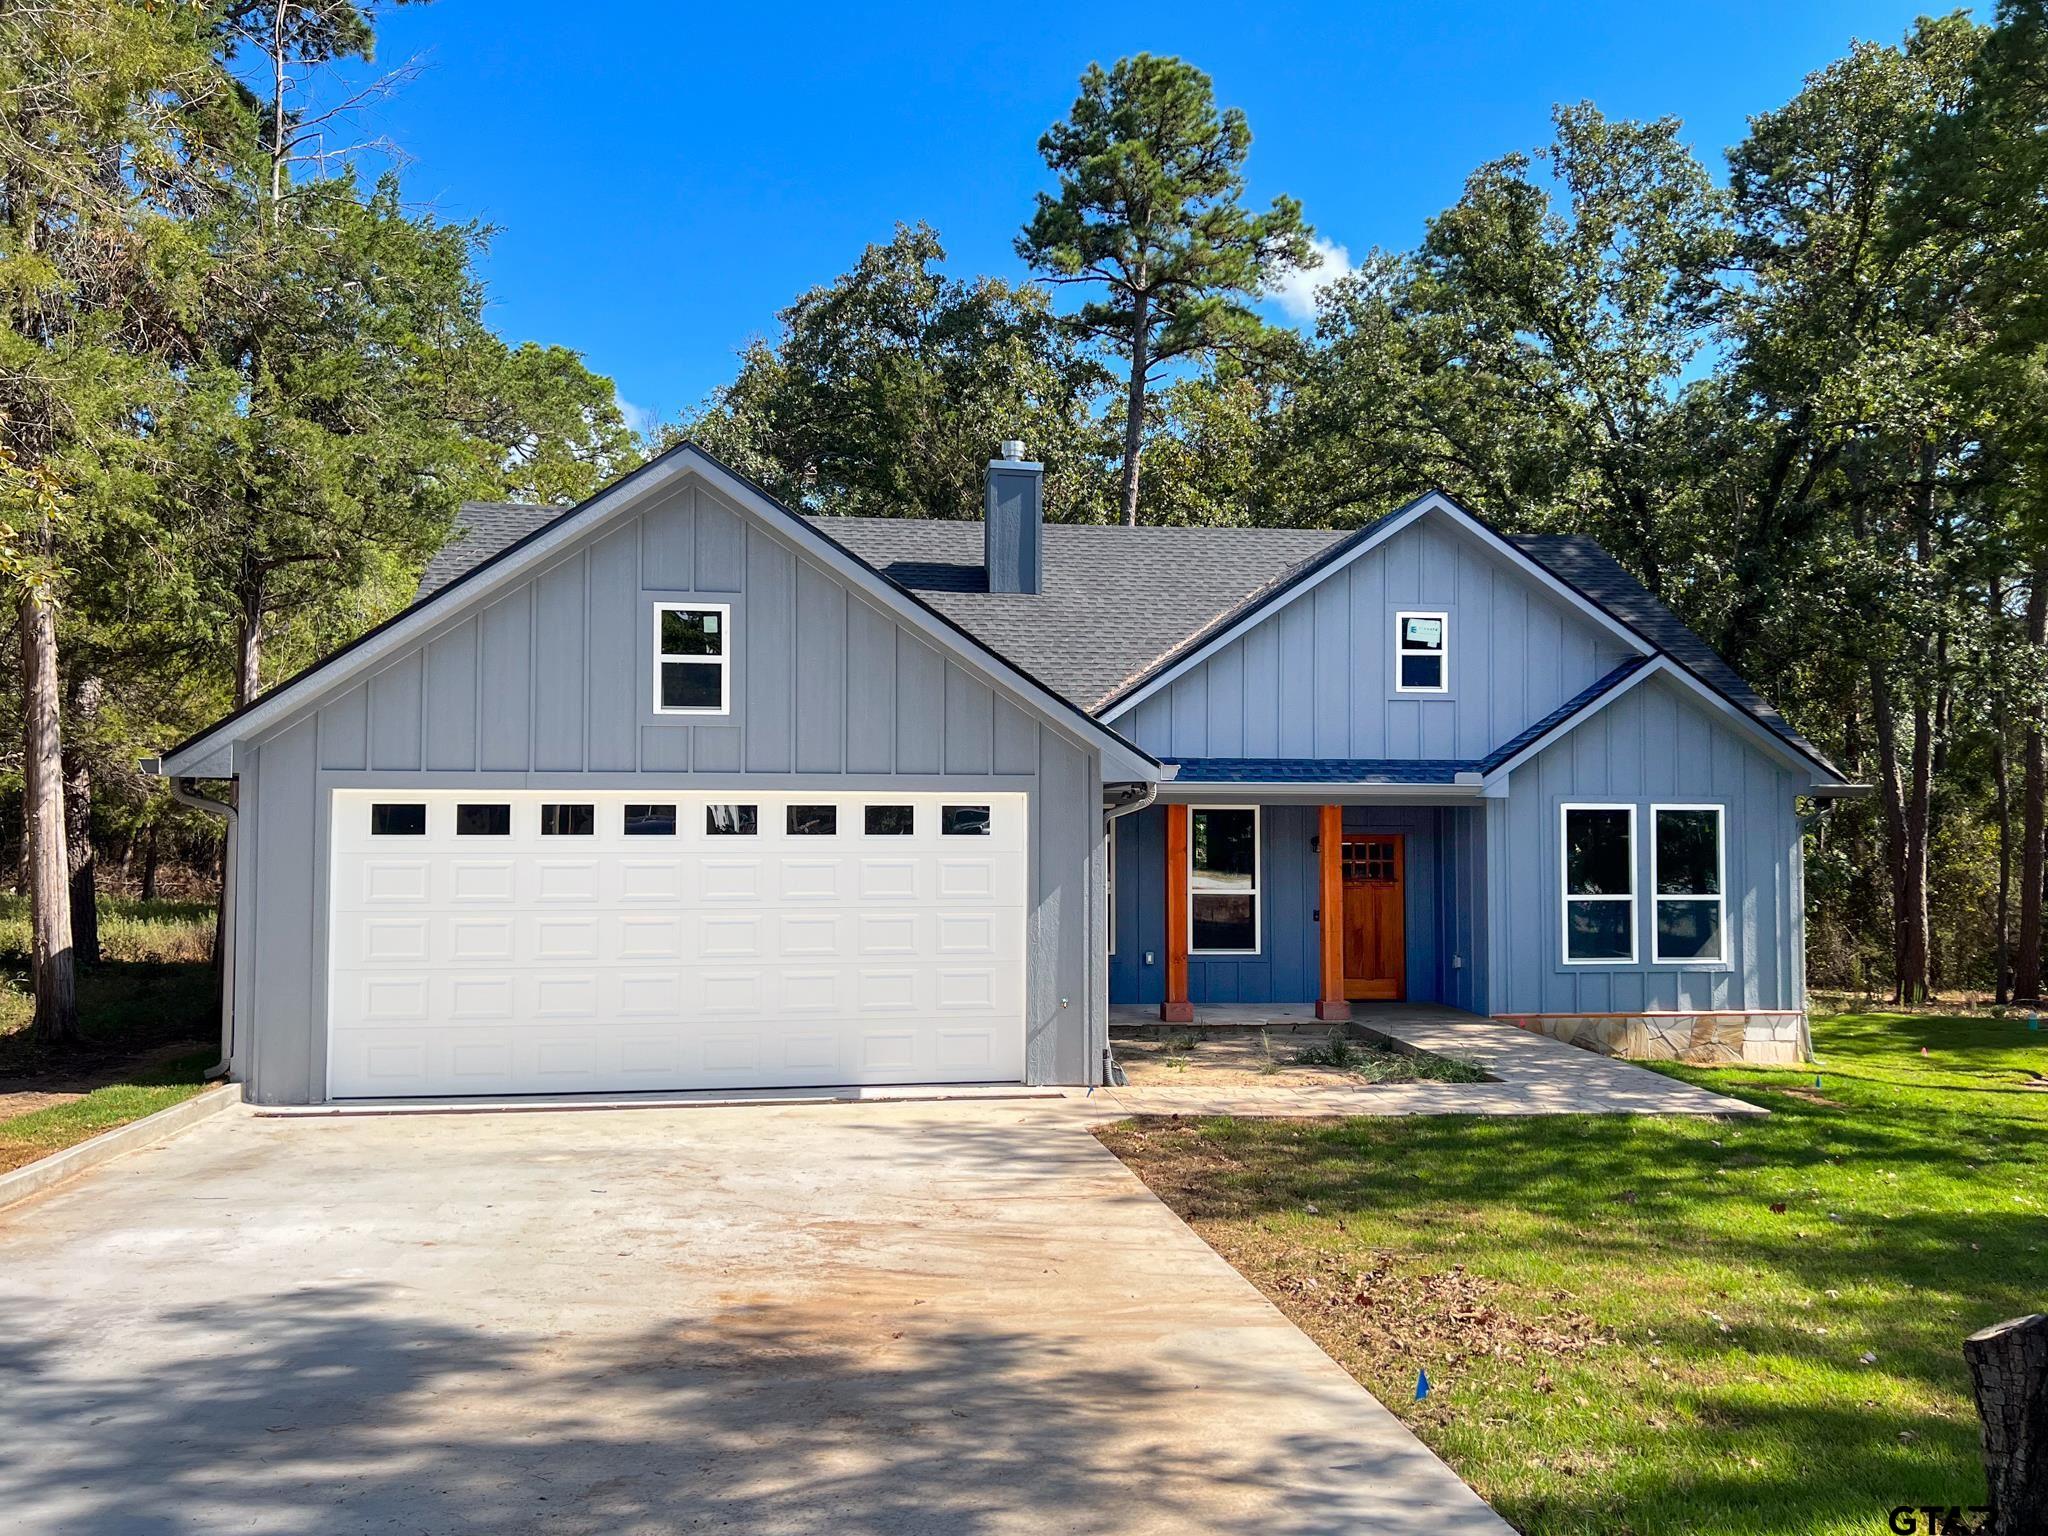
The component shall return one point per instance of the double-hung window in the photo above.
(1687, 868)
(1223, 880)
(1422, 652)
(692, 659)
(1599, 867)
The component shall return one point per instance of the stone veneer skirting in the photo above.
(1702, 1038)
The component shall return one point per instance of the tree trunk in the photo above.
(1893, 797)
(1134, 407)
(149, 860)
(2002, 773)
(249, 641)
(1913, 900)
(2026, 978)
(81, 857)
(50, 953)
(2009, 1374)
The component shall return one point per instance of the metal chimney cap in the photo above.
(1013, 449)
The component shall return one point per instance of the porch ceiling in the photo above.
(1327, 780)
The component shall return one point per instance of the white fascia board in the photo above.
(1120, 758)
(1407, 517)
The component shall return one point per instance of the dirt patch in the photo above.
(1448, 1316)
(1285, 1056)
(1375, 1315)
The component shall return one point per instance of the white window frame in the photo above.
(723, 660)
(1258, 886)
(1564, 892)
(1442, 652)
(1720, 898)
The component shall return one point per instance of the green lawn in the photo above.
(151, 994)
(24, 1138)
(1655, 1326)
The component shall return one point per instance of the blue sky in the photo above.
(666, 176)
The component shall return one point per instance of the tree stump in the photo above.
(2009, 1373)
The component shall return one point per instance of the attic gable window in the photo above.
(1422, 652)
(692, 659)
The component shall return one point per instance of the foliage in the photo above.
(1664, 1325)
(1149, 210)
(889, 388)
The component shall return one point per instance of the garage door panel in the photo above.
(609, 962)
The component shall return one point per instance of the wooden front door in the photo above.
(1375, 930)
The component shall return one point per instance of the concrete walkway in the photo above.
(960, 1317)
(1535, 1074)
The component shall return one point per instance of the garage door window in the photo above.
(964, 821)
(650, 821)
(483, 821)
(814, 821)
(891, 820)
(732, 820)
(568, 820)
(691, 658)
(398, 821)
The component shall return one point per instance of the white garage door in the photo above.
(556, 942)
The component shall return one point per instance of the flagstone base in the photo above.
(1701, 1038)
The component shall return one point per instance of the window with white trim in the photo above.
(692, 659)
(1422, 652)
(1223, 880)
(1688, 885)
(1598, 864)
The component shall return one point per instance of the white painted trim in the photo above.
(723, 661)
(1109, 893)
(1720, 898)
(1442, 652)
(1434, 501)
(1566, 898)
(1257, 892)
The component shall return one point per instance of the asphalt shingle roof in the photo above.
(1164, 585)
(1167, 587)
(1579, 560)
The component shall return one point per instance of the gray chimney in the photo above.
(1013, 531)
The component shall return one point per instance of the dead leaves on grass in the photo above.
(1446, 1318)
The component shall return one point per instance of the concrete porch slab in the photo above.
(1534, 1074)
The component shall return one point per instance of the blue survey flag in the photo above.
(1421, 1385)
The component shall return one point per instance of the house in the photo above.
(679, 789)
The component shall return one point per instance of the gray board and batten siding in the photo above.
(548, 683)
(1655, 745)
(1314, 677)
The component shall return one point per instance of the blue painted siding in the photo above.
(1654, 745)
(1315, 678)
(1444, 916)
(1284, 970)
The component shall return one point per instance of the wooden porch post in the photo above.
(1330, 999)
(1177, 1009)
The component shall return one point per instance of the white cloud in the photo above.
(640, 418)
(1296, 292)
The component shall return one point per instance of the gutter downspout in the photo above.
(183, 792)
(1128, 800)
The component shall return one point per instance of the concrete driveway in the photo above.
(957, 1318)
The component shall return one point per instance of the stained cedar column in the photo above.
(1177, 1009)
(1330, 1000)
